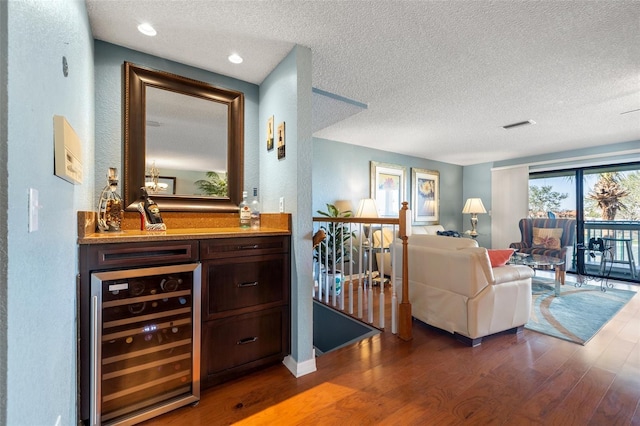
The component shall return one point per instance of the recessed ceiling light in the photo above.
(147, 29)
(235, 58)
(518, 124)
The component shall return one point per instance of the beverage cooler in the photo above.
(145, 342)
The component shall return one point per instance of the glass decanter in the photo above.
(110, 206)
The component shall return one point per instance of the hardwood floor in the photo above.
(522, 379)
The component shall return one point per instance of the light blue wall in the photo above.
(342, 172)
(109, 60)
(286, 95)
(42, 266)
(4, 208)
(477, 178)
(477, 184)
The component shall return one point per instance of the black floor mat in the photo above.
(333, 329)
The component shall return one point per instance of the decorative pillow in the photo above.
(548, 238)
(499, 257)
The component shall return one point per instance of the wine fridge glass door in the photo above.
(145, 342)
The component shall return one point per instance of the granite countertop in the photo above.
(273, 224)
(132, 236)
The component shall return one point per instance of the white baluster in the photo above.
(360, 277)
(381, 325)
(394, 297)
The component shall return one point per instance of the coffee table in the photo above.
(538, 261)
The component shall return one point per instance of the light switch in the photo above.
(33, 209)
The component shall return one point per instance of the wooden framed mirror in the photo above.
(184, 132)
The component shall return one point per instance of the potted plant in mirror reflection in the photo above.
(215, 185)
(334, 250)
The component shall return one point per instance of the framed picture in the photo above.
(270, 133)
(387, 188)
(281, 142)
(166, 185)
(425, 196)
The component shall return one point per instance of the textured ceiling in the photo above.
(438, 78)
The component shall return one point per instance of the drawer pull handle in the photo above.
(249, 284)
(247, 340)
(249, 247)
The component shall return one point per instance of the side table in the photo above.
(538, 261)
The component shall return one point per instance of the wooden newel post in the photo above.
(404, 311)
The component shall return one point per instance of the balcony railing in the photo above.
(622, 242)
(345, 253)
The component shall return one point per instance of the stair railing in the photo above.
(350, 278)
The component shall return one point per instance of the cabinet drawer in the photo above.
(242, 340)
(244, 246)
(243, 283)
(111, 256)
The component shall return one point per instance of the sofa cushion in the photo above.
(509, 273)
(499, 257)
(548, 238)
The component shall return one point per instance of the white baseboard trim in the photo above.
(299, 369)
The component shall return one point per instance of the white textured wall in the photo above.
(41, 375)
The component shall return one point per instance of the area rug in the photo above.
(333, 330)
(578, 313)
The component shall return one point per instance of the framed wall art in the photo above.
(425, 196)
(388, 188)
(270, 133)
(281, 141)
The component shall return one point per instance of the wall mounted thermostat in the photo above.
(68, 151)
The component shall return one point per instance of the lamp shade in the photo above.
(367, 208)
(343, 206)
(473, 205)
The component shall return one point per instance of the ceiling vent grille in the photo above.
(521, 123)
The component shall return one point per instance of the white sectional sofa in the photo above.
(452, 286)
(426, 229)
(388, 237)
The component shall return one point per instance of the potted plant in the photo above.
(334, 248)
(215, 185)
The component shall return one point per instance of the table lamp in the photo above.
(367, 208)
(344, 206)
(473, 206)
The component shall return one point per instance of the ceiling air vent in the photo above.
(521, 123)
(633, 110)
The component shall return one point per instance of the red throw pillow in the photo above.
(499, 257)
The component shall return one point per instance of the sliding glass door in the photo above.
(605, 200)
(553, 194)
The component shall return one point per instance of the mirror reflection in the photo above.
(171, 169)
(183, 141)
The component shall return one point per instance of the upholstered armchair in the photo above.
(548, 237)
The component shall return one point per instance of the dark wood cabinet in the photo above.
(240, 343)
(245, 305)
(244, 299)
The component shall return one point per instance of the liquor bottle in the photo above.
(245, 212)
(110, 206)
(255, 210)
